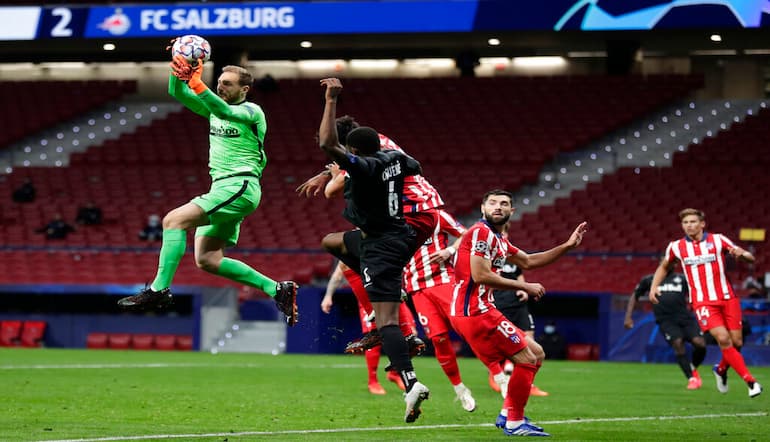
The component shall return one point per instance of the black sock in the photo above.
(698, 355)
(397, 350)
(684, 363)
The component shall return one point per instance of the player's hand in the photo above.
(577, 236)
(171, 44)
(628, 323)
(195, 82)
(333, 169)
(333, 87)
(313, 185)
(535, 289)
(326, 304)
(180, 68)
(654, 295)
(441, 255)
(522, 295)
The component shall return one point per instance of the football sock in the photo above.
(723, 365)
(445, 355)
(684, 364)
(241, 272)
(735, 360)
(406, 320)
(171, 251)
(518, 390)
(698, 355)
(395, 347)
(354, 280)
(372, 360)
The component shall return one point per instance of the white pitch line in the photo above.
(400, 428)
(162, 365)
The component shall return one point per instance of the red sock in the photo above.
(518, 390)
(722, 366)
(735, 360)
(445, 355)
(406, 320)
(372, 360)
(354, 280)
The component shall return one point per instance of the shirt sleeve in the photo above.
(512, 250)
(727, 244)
(411, 166)
(179, 90)
(482, 242)
(670, 253)
(247, 113)
(643, 288)
(450, 225)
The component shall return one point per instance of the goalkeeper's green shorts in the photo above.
(229, 201)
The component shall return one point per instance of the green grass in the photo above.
(48, 394)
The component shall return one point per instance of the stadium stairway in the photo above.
(54, 146)
(252, 337)
(650, 141)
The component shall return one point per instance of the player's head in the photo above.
(345, 124)
(497, 207)
(234, 83)
(363, 141)
(693, 222)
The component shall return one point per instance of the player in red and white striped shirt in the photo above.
(428, 280)
(493, 338)
(717, 308)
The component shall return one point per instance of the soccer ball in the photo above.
(192, 48)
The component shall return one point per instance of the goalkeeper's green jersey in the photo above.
(236, 131)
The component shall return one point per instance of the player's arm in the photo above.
(449, 225)
(657, 278)
(334, 282)
(641, 288)
(328, 138)
(336, 185)
(182, 93)
(482, 273)
(528, 261)
(741, 254)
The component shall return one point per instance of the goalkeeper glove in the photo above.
(195, 82)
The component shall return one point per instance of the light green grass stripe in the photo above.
(403, 428)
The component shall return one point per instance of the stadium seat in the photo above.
(96, 340)
(165, 342)
(9, 333)
(143, 341)
(119, 340)
(581, 352)
(184, 342)
(32, 333)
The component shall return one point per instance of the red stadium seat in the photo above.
(582, 352)
(143, 341)
(32, 333)
(96, 340)
(9, 333)
(184, 342)
(165, 342)
(119, 340)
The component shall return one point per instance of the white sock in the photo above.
(513, 424)
(504, 412)
(459, 387)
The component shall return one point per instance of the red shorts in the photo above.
(432, 305)
(423, 223)
(490, 335)
(726, 314)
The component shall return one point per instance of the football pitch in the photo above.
(104, 395)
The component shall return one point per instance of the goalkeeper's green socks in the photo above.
(243, 273)
(171, 252)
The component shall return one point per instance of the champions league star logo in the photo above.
(595, 18)
(116, 24)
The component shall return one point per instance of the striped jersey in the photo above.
(704, 267)
(419, 194)
(468, 297)
(420, 273)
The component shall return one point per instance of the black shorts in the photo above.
(520, 317)
(383, 259)
(673, 328)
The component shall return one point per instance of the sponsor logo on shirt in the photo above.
(698, 260)
(225, 132)
(671, 287)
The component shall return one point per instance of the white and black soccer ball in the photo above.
(192, 48)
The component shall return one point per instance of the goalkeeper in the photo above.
(236, 161)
